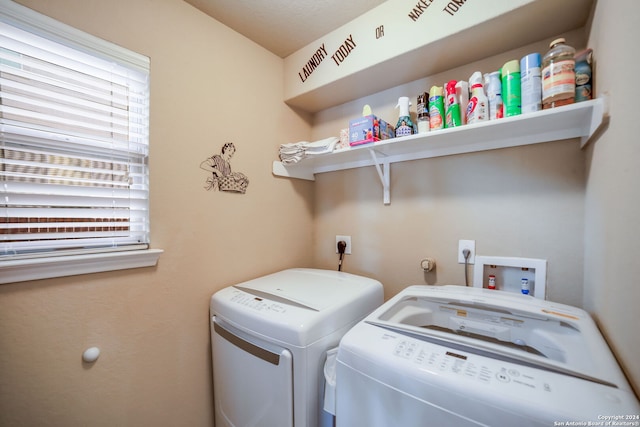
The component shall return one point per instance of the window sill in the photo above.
(45, 268)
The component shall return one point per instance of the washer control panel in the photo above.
(438, 359)
(256, 303)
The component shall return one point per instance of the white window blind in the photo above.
(74, 140)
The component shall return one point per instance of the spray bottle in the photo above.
(511, 91)
(493, 85)
(436, 108)
(462, 92)
(404, 126)
(478, 104)
(453, 118)
(530, 83)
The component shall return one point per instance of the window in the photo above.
(74, 146)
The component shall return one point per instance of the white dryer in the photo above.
(269, 341)
(457, 356)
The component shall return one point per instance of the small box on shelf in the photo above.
(368, 129)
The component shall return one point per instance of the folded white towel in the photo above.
(291, 159)
(326, 143)
(294, 152)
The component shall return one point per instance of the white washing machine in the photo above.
(269, 340)
(457, 356)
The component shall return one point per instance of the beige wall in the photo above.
(209, 85)
(512, 202)
(612, 220)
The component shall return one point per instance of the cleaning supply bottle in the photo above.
(478, 103)
(405, 125)
(423, 112)
(436, 108)
(531, 83)
(462, 92)
(583, 75)
(511, 91)
(558, 75)
(453, 118)
(494, 95)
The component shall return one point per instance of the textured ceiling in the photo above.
(284, 26)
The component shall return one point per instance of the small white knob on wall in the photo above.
(90, 355)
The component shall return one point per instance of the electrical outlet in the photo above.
(347, 239)
(467, 244)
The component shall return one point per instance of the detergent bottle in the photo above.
(478, 103)
(404, 126)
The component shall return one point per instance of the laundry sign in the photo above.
(387, 33)
(314, 62)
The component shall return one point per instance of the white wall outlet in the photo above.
(347, 239)
(467, 244)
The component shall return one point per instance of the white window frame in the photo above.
(69, 263)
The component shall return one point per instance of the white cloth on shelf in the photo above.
(296, 151)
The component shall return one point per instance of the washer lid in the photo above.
(298, 306)
(314, 289)
(514, 327)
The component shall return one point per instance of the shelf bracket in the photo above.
(385, 176)
(599, 111)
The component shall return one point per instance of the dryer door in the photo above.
(253, 379)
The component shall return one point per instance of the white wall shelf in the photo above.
(432, 44)
(579, 120)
